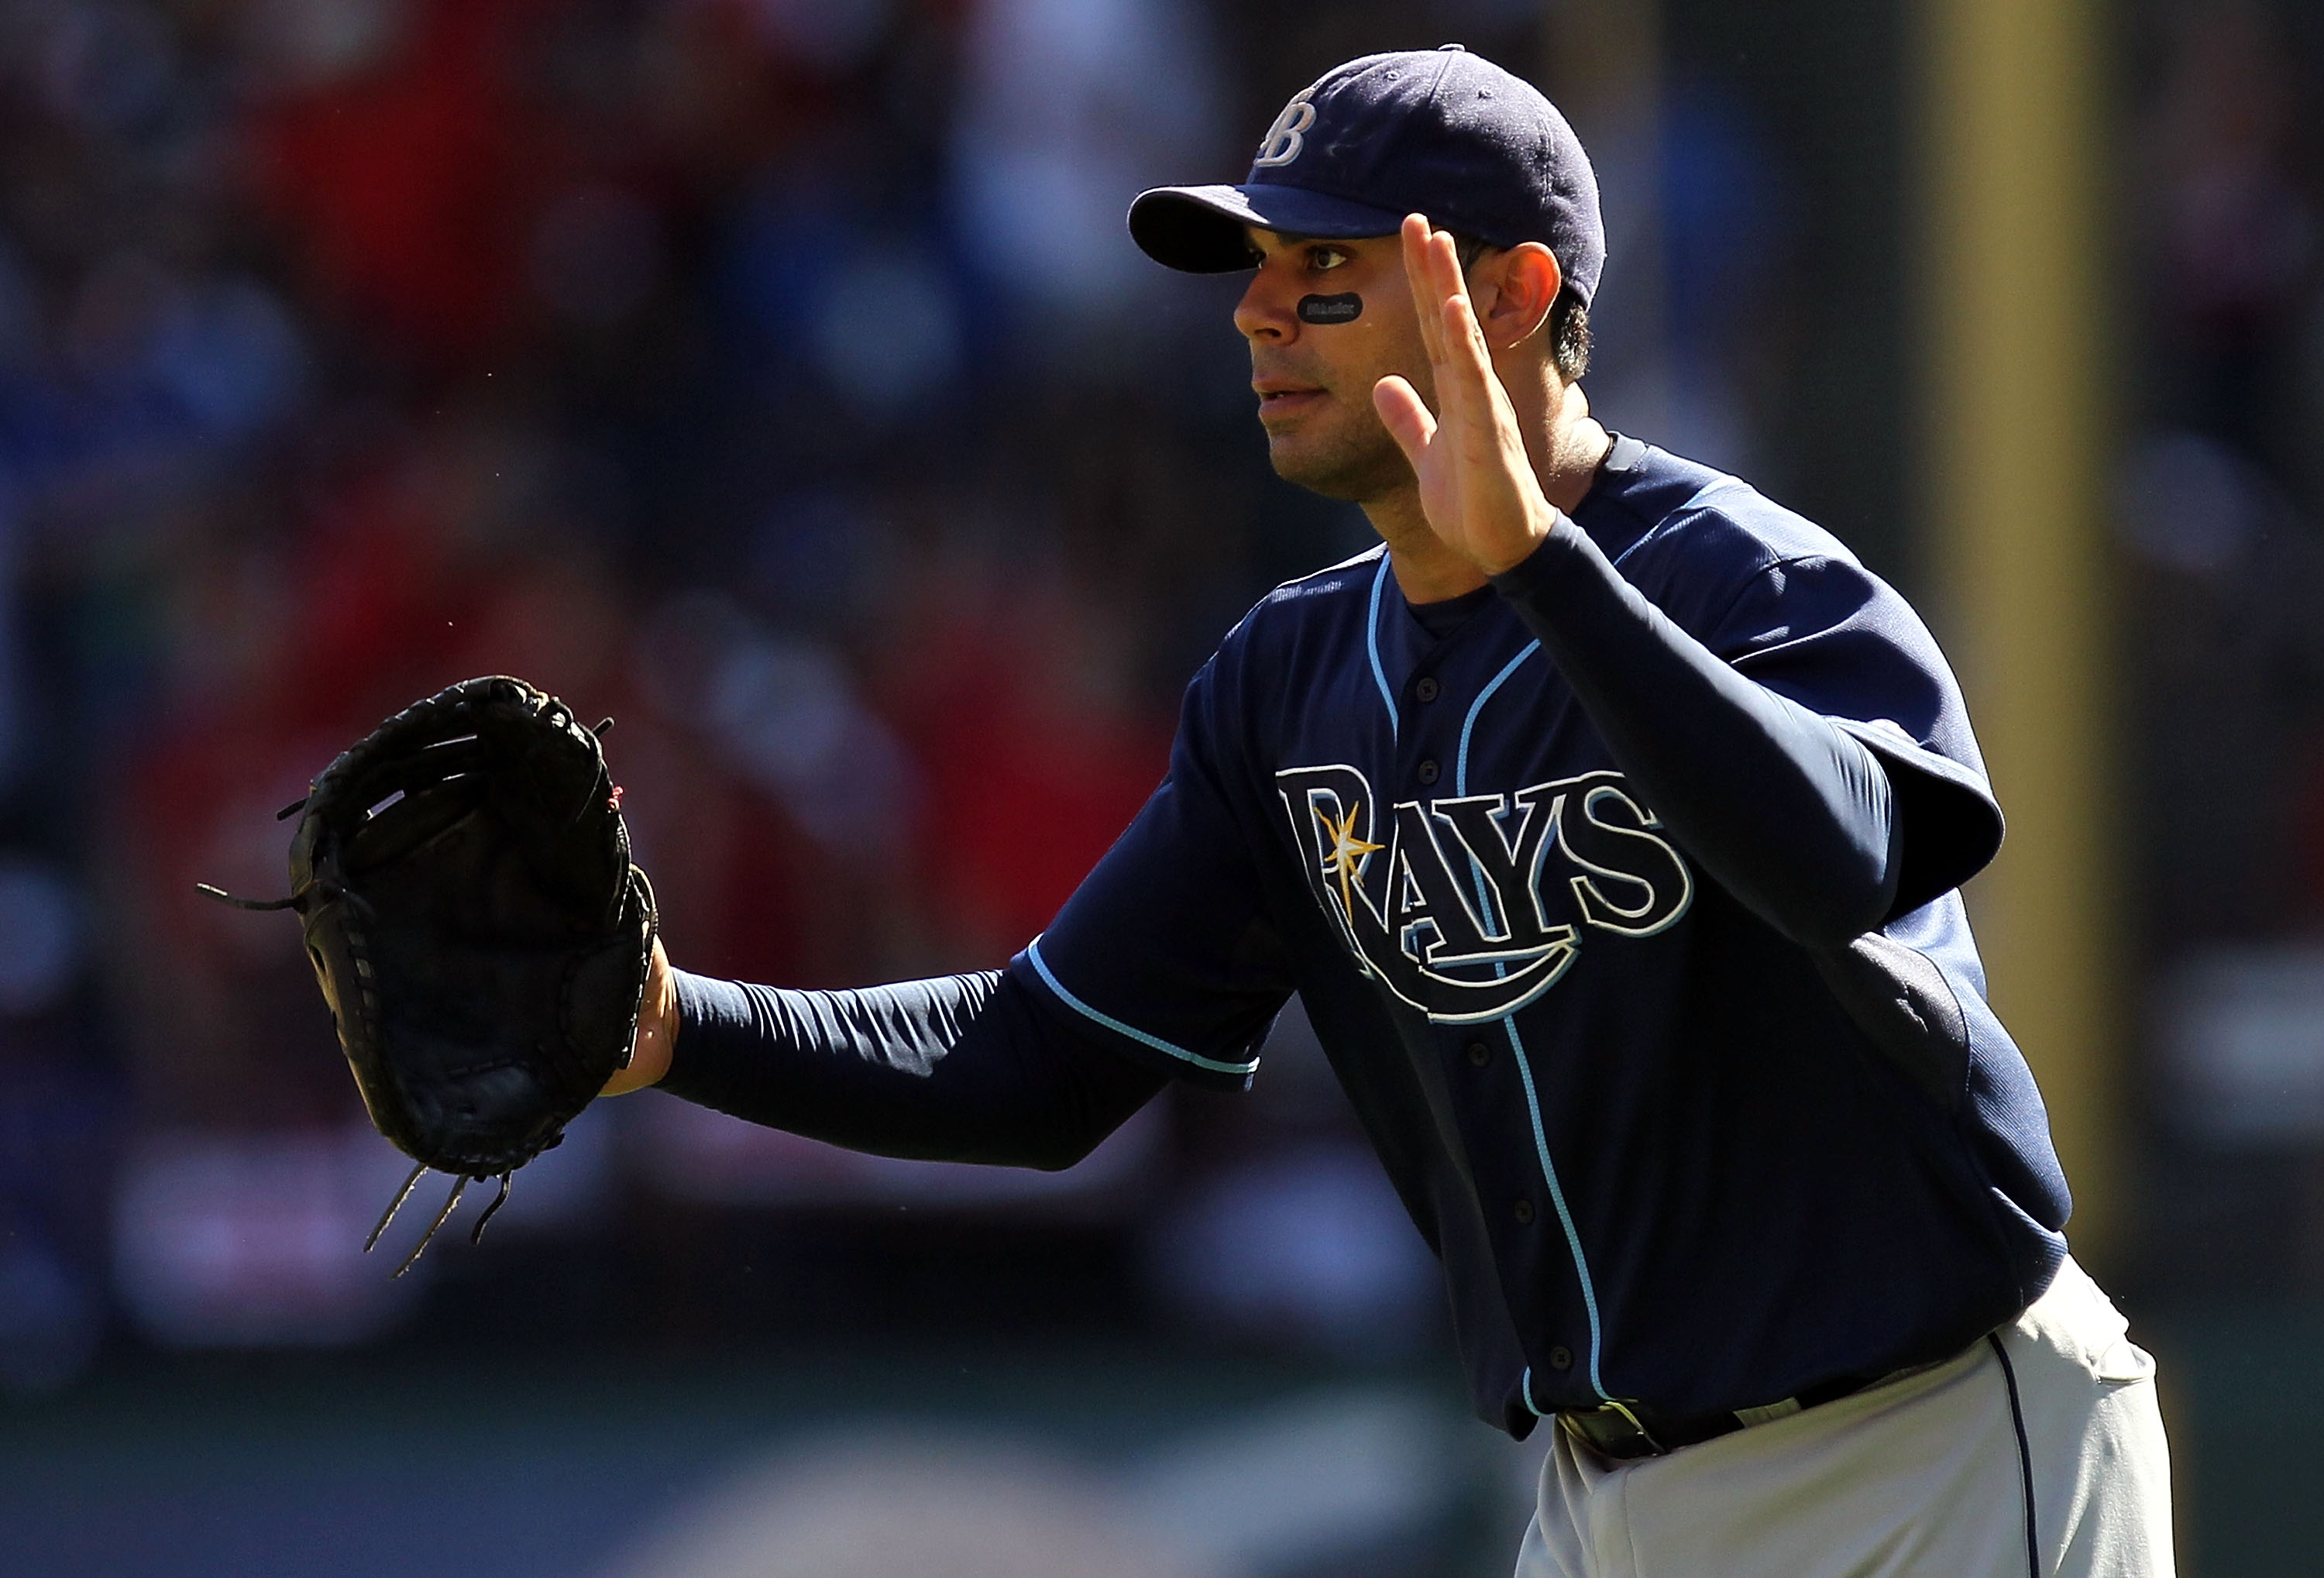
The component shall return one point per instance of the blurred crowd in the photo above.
(2221, 524)
(776, 376)
(773, 375)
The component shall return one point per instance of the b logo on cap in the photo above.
(1286, 136)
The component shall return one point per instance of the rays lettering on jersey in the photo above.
(1472, 907)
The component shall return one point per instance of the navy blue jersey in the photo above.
(1665, 1152)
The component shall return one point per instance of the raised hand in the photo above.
(1477, 484)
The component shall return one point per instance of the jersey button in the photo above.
(1561, 1358)
(1427, 773)
(1523, 1211)
(1479, 1053)
(1428, 689)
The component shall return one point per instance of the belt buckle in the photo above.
(1613, 1431)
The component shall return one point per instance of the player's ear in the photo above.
(1514, 289)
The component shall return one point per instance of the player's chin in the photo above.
(1352, 466)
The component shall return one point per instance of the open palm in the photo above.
(1477, 486)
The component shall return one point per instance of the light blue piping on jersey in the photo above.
(1468, 723)
(1033, 951)
(1461, 775)
(1371, 645)
(1564, 1216)
(1524, 1071)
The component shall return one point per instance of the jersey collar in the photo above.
(1636, 486)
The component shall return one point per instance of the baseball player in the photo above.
(1610, 820)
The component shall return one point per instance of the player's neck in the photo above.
(1563, 440)
(1427, 570)
(1565, 444)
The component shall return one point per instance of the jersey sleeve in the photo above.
(1168, 952)
(1825, 632)
(958, 1068)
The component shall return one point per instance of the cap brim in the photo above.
(1199, 229)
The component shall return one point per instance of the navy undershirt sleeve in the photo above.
(957, 1068)
(1792, 814)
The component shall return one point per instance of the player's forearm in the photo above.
(1791, 814)
(957, 1068)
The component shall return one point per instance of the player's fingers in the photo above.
(1427, 301)
(1445, 274)
(1447, 283)
(1467, 365)
(1444, 267)
(1465, 382)
(1405, 416)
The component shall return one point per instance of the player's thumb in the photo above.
(1406, 418)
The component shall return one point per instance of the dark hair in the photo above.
(1568, 317)
(1569, 336)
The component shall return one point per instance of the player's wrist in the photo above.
(656, 1035)
(1507, 554)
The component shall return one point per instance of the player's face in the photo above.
(1314, 380)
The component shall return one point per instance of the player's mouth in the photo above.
(1283, 397)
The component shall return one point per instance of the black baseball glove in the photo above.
(476, 925)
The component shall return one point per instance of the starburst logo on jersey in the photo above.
(1469, 908)
(1343, 857)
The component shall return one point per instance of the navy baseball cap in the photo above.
(1436, 132)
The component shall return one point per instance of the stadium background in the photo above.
(776, 376)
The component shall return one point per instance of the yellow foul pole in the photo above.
(2015, 429)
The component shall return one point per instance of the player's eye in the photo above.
(1324, 258)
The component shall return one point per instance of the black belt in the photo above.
(1625, 1430)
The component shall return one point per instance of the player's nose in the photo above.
(1265, 312)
